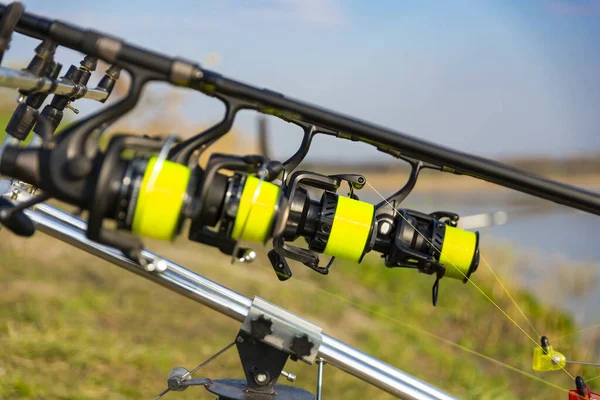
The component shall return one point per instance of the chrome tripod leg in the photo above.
(320, 364)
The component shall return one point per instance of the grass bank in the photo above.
(75, 327)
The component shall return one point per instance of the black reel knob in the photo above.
(18, 223)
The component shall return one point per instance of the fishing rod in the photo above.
(138, 186)
(148, 66)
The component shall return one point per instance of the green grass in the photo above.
(75, 327)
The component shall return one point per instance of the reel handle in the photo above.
(17, 222)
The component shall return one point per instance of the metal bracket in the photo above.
(288, 332)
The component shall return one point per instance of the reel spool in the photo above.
(154, 192)
(432, 243)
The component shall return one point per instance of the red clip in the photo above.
(582, 392)
(574, 395)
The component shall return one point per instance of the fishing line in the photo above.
(488, 265)
(202, 364)
(591, 379)
(579, 331)
(425, 332)
(469, 280)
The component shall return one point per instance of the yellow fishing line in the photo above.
(432, 335)
(469, 280)
(579, 331)
(509, 295)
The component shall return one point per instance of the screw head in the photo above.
(160, 265)
(301, 345)
(249, 256)
(385, 227)
(289, 376)
(261, 377)
(261, 327)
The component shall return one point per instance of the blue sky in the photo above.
(494, 77)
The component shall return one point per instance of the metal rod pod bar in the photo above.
(27, 82)
(70, 229)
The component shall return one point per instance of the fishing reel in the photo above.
(254, 208)
(241, 206)
(247, 199)
(148, 187)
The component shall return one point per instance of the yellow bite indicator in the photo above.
(160, 199)
(459, 252)
(256, 212)
(545, 358)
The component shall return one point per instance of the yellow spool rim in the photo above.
(158, 208)
(459, 253)
(257, 209)
(475, 260)
(351, 229)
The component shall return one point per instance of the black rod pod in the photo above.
(78, 76)
(26, 114)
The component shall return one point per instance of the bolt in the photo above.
(240, 339)
(385, 227)
(289, 376)
(249, 256)
(555, 360)
(70, 107)
(262, 378)
(161, 265)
